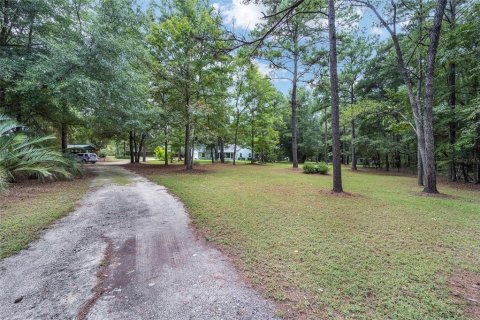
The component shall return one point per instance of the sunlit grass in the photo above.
(384, 252)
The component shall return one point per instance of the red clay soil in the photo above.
(465, 287)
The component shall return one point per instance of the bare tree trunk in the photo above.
(452, 127)
(325, 146)
(166, 145)
(253, 138)
(222, 150)
(188, 161)
(429, 163)
(337, 173)
(130, 137)
(294, 119)
(235, 141)
(64, 137)
(144, 153)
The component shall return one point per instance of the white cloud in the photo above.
(377, 30)
(245, 16)
(264, 68)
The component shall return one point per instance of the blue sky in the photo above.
(245, 17)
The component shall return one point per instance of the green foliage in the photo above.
(159, 153)
(21, 154)
(321, 168)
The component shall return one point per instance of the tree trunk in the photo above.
(419, 168)
(188, 161)
(429, 163)
(325, 146)
(130, 137)
(294, 119)
(387, 163)
(166, 146)
(354, 156)
(64, 137)
(452, 127)
(337, 173)
(253, 136)
(235, 141)
(222, 150)
(144, 153)
(212, 154)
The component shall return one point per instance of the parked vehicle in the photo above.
(86, 157)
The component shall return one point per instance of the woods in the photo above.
(176, 74)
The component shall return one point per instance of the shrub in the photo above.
(102, 153)
(321, 168)
(159, 153)
(309, 168)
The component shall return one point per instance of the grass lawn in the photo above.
(383, 252)
(28, 207)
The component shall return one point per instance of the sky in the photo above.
(243, 17)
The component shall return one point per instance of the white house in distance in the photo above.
(204, 153)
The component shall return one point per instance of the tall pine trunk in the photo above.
(429, 163)
(451, 79)
(130, 139)
(294, 119)
(337, 173)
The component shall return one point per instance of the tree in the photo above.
(423, 120)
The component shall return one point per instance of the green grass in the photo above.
(29, 207)
(384, 252)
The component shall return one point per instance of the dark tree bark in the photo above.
(144, 153)
(165, 131)
(188, 161)
(235, 140)
(253, 135)
(419, 169)
(325, 145)
(64, 137)
(221, 144)
(130, 137)
(352, 123)
(452, 126)
(337, 173)
(294, 119)
(429, 163)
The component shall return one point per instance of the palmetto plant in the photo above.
(22, 154)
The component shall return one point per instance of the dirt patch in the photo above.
(465, 287)
(28, 189)
(100, 288)
(341, 194)
(434, 195)
(154, 169)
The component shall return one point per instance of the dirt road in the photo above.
(127, 252)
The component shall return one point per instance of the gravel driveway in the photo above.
(127, 252)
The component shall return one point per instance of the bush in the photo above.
(102, 153)
(321, 168)
(159, 153)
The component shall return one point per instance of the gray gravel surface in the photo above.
(127, 252)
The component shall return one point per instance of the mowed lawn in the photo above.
(383, 252)
(29, 207)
